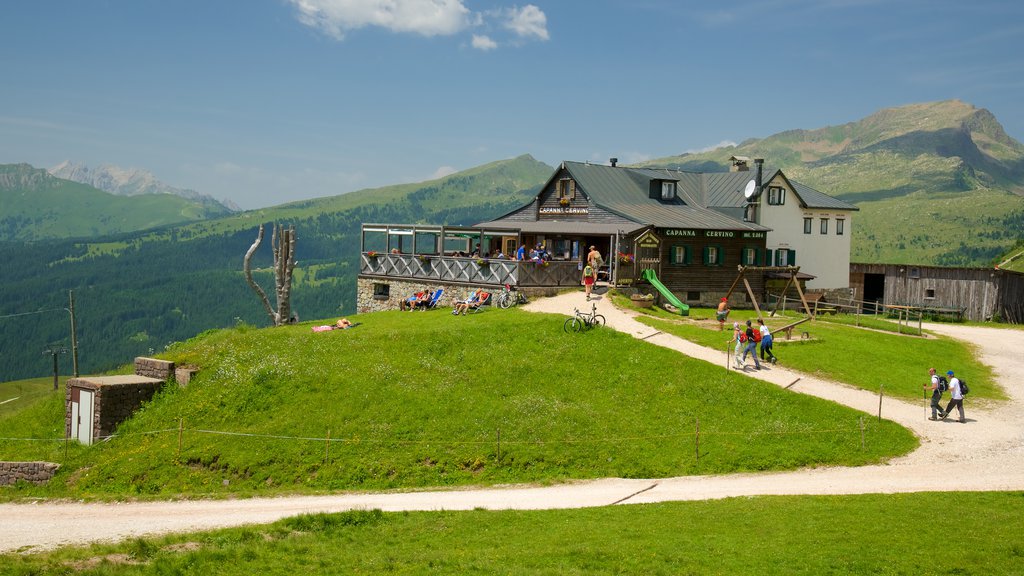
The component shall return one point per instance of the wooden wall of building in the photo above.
(980, 292)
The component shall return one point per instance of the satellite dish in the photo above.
(749, 190)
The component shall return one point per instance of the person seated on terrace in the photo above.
(410, 302)
(462, 306)
(395, 251)
(423, 301)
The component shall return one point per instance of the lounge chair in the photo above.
(432, 303)
(484, 300)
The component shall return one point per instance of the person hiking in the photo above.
(588, 280)
(956, 398)
(751, 346)
(766, 342)
(737, 340)
(933, 385)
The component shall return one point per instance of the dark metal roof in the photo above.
(811, 198)
(626, 192)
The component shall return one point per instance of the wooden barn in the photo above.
(978, 294)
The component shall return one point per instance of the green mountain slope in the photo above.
(35, 205)
(135, 293)
(938, 183)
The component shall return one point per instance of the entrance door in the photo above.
(81, 419)
(874, 289)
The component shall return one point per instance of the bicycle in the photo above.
(509, 296)
(581, 321)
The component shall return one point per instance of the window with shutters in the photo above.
(776, 195)
(681, 255)
(566, 189)
(713, 256)
(750, 256)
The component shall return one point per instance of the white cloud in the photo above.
(442, 172)
(425, 17)
(528, 21)
(483, 43)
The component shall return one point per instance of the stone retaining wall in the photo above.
(399, 290)
(33, 472)
(154, 368)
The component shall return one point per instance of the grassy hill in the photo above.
(938, 183)
(429, 399)
(135, 293)
(35, 205)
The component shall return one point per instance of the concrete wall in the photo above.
(33, 472)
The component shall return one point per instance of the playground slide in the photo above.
(651, 277)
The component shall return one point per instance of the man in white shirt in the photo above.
(956, 397)
(933, 385)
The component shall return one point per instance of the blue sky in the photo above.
(268, 101)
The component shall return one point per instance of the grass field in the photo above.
(428, 399)
(911, 534)
(16, 396)
(869, 356)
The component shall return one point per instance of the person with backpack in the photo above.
(937, 384)
(957, 390)
(739, 339)
(752, 336)
(766, 342)
(588, 279)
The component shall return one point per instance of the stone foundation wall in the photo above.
(117, 403)
(33, 472)
(183, 375)
(401, 289)
(154, 368)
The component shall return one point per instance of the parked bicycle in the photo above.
(509, 296)
(581, 321)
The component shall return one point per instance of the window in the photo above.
(381, 291)
(713, 256)
(776, 195)
(693, 296)
(566, 188)
(824, 225)
(839, 227)
(668, 190)
(929, 293)
(807, 225)
(785, 257)
(750, 256)
(680, 255)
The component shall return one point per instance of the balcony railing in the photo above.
(453, 269)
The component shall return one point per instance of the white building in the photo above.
(808, 228)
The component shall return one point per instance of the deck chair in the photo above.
(432, 303)
(484, 300)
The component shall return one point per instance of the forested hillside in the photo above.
(139, 292)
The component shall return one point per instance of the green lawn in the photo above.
(869, 356)
(428, 399)
(896, 534)
(18, 395)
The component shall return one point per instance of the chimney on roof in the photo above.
(759, 162)
(613, 161)
(739, 164)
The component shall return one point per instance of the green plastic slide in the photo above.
(652, 278)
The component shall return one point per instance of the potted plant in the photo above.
(625, 258)
(563, 201)
(482, 262)
(372, 253)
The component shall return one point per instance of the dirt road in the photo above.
(987, 453)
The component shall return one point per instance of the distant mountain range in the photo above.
(938, 183)
(36, 205)
(130, 182)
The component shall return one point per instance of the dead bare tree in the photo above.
(282, 241)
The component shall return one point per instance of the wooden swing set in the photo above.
(792, 270)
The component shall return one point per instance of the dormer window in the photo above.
(566, 189)
(668, 190)
(776, 195)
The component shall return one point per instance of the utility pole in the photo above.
(54, 350)
(74, 335)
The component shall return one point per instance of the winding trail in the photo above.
(987, 453)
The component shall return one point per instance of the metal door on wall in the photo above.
(81, 415)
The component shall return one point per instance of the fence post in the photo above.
(181, 425)
(880, 388)
(697, 442)
(498, 430)
(861, 418)
(327, 447)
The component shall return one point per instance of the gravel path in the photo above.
(987, 453)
